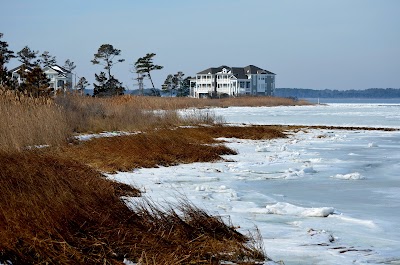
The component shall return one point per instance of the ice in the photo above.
(350, 176)
(283, 208)
(320, 196)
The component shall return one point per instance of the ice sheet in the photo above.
(287, 186)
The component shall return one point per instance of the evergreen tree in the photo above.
(105, 56)
(5, 56)
(185, 87)
(177, 83)
(169, 84)
(37, 83)
(82, 84)
(47, 60)
(107, 87)
(69, 65)
(145, 65)
(26, 56)
(101, 80)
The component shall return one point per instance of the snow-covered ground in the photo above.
(318, 197)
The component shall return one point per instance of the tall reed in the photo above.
(27, 121)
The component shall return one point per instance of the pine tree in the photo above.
(105, 56)
(169, 84)
(26, 56)
(5, 56)
(82, 84)
(47, 60)
(37, 84)
(69, 65)
(101, 80)
(144, 65)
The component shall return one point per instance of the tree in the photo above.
(37, 83)
(107, 87)
(105, 56)
(26, 56)
(82, 84)
(169, 84)
(144, 65)
(69, 65)
(5, 56)
(185, 87)
(176, 82)
(47, 60)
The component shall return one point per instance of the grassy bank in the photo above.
(54, 210)
(56, 206)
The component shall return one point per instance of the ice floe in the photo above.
(284, 208)
(350, 176)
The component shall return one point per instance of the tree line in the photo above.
(36, 82)
(328, 93)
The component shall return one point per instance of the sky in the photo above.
(317, 44)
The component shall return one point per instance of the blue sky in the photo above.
(318, 44)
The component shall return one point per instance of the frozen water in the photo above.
(318, 197)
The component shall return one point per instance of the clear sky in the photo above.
(318, 44)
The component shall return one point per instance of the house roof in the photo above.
(238, 72)
(252, 69)
(57, 68)
(60, 70)
(19, 67)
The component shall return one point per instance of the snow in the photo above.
(319, 196)
(87, 137)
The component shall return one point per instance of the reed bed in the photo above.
(54, 210)
(26, 121)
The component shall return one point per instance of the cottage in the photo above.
(60, 78)
(232, 81)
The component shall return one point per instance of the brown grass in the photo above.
(174, 103)
(162, 147)
(59, 211)
(126, 113)
(27, 121)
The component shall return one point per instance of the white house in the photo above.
(232, 81)
(58, 76)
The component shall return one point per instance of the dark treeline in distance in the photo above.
(328, 93)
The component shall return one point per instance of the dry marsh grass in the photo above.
(27, 121)
(163, 147)
(126, 113)
(174, 103)
(59, 211)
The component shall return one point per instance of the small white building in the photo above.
(60, 78)
(232, 81)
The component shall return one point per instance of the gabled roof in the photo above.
(19, 67)
(213, 70)
(58, 69)
(239, 72)
(252, 70)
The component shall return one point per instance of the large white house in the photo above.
(60, 78)
(232, 81)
